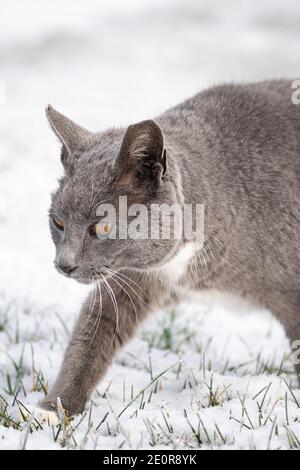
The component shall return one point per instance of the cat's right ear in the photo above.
(72, 136)
(142, 157)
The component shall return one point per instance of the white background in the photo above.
(109, 64)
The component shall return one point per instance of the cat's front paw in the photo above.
(41, 414)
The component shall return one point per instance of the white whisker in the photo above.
(100, 308)
(127, 293)
(92, 301)
(99, 312)
(115, 304)
(130, 287)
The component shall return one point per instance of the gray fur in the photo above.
(235, 149)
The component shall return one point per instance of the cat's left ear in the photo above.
(73, 137)
(142, 157)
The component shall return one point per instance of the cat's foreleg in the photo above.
(107, 321)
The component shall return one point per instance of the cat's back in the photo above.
(241, 111)
(251, 111)
(253, 127)
(243, 142)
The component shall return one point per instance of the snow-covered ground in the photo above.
(201, 376)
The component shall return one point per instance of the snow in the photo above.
(109, 64)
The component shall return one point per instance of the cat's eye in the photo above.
(59, 224)
(100, 230)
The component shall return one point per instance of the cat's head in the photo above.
(102, 173)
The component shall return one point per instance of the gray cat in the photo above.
(235, 149)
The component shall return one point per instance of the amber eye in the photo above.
(100, 230)
(58, 223)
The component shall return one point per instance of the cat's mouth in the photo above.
(94, 276)
(90, 277)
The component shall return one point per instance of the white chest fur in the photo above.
(175, 269)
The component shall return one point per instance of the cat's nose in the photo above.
(66, 268)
